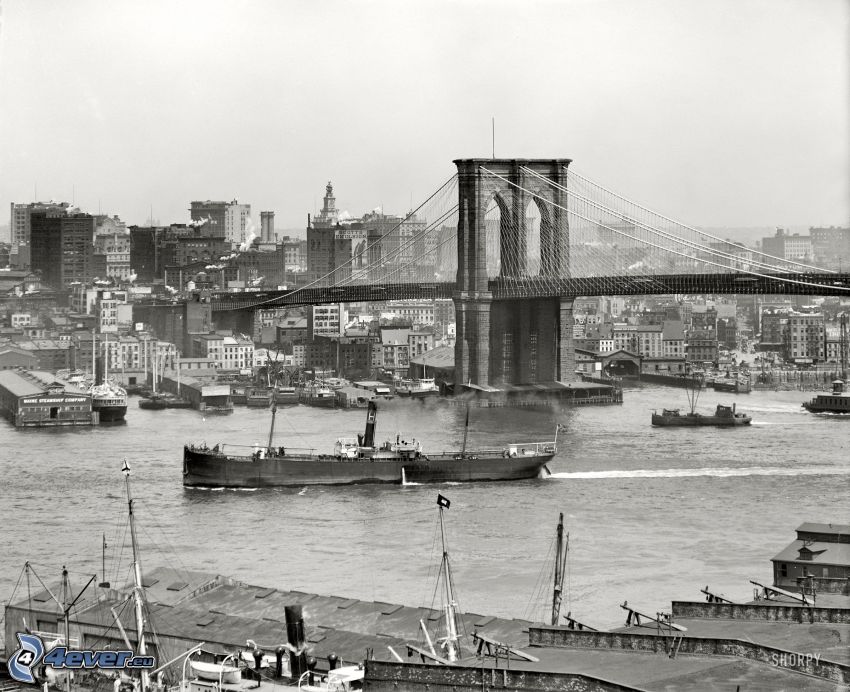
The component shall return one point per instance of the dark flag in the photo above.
(443, 501)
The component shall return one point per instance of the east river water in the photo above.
(653, 514)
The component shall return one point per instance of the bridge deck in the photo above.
(507, 289)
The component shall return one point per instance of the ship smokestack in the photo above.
(371, 417)
(295, 636)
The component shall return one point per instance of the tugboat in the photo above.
(836, 401)
(360, 460)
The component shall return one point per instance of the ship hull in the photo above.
(697, 421)
(734, 387)
(813, 407)
(110, 413)
(207, 469)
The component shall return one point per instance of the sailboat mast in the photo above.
(93, 356)
(137, 576)
(105, 357)
(560, 561)
(451, 619)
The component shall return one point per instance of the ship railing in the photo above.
(518, 449)
(532, 448)
(248, 451)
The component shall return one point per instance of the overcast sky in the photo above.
(714, 112)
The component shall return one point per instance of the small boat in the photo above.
(216, 672)
(724, 416)
(258, 397)
(285, 395)
(155, 402)
(738, 385)
(360, 460)
(836, 401)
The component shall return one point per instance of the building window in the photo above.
(783, 570)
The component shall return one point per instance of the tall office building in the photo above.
(239, 229)
(62, 247)
(228, 220)
(19, 224)
(210, 216)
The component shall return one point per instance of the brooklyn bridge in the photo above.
(513, 242)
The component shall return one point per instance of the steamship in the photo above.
(360, 460)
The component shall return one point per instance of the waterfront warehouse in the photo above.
(37, 399)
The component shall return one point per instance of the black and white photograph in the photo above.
(435, 345)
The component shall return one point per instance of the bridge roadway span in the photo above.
(507, 288)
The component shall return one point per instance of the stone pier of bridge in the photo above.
(525, 340)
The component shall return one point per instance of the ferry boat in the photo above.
(422, 387)
(317, 394)
(836, 401)
(360, 460)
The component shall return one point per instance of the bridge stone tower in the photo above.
(517, 340)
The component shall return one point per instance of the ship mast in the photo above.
(271, 430)
(153, 363)
(137, 577)
(451, 643)
(560, 562)
(463, 448)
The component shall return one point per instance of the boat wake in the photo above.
(718, 472)
(220, 489)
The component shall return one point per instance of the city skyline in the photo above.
(722, 114)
